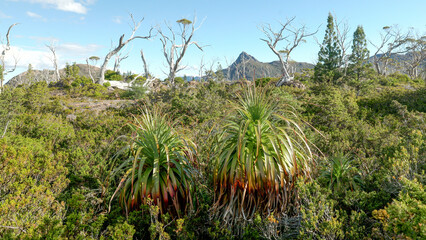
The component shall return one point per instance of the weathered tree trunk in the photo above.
(175, 53)
(120, 45)
(394, 40)
(54, 60)
(293, 37)
(104, 65)
(145, 66)
(90, 72)
(2, 58)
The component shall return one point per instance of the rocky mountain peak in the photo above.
(244, 57)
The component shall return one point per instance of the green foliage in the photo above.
(56, 160)
(360, 54)
(82, 222)
(113, 76)
(157, 227)
(120, 231)
(355, 228)
(329, 56)
(184, 21)
(107, 84)
(72, 71)
(31, 178)
(94, 58)
(405, 217)
(141, 220)
(260, 153)
(262, 82)
(341, 176)
(30, 73)
(1, 74)
(179, 80)
(158, 167)
(85, 87)
(319, 218)
(80, 85)
(219, 73)
(137, 90)
(36, 97)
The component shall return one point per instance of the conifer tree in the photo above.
(360, 53)
(329, 56)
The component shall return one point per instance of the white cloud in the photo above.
(117, 19)
(3, 15)
(35, 15)
(77, 50)
(43, 39)
(70, 6)
(39, 59)
(75, 6)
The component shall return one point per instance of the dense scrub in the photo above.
(61, 167)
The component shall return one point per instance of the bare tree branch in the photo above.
(118, 59)
(201, 67)
(293, 36)
(342, 31)
(52, 49)
(13, 68)
(11, 227)
(121, 44)
(94, 59)
(174, 50)
(391, 42)
(416, 49)
(5, 129)
(228, 69)
(3, 56)
(90, 72)
(145, 66)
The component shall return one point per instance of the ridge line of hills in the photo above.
(236, 71)
(244, 66)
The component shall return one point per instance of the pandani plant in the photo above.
(341, 174)
(261, 152)
(158, 167)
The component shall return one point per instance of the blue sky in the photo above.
(83, 28)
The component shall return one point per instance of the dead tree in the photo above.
(6, 47)
(391, 42)
(121, 44)
(210, 74)
(93, 59)
(145, 66)
(201, 68)
(342, 32)
(228, 69)
(118, 59)
(176, 43)
(293, 36)
(416, 50)
(54, 59)
(146, 74)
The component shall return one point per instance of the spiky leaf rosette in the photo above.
(261, 152)
(158, 166)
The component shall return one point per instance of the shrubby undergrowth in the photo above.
(59, 177)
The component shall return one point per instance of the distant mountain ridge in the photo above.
(248, 66)
(244, 66)
(49, 75)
